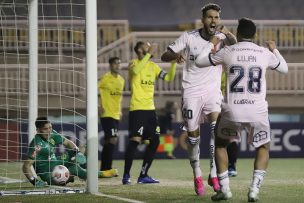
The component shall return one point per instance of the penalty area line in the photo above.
(118, 198)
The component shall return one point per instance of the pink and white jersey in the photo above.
(246, 65)
(197, 81)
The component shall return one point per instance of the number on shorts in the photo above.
(113, 131)
(141, 130)
(187, 113)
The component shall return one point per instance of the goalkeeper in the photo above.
(41, 155)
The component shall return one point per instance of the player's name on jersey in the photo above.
(244, 58)
(243, 101)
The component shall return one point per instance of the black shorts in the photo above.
(109, 126)
(143, 123)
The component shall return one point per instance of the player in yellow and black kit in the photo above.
(111, 86)
(143, 124)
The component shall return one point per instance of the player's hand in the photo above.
(180, 59)
(271, 45)
(40, 183)
(223, 29)
(214, 40)
(79, 158)
(37, 183)
(152, 48)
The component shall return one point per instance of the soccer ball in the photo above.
(60, 174)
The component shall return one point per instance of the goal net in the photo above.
(61, 85)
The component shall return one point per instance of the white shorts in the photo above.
(194, 110)
(258, 133)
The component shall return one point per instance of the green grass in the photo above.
(283, 183)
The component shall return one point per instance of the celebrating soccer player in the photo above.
(201, 95)
(244, 105)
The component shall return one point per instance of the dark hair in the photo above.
(138, 45)
(113, 59)
(41, 121)
(246, 28)
(210, 6)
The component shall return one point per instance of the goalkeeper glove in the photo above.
(36, 182)
(79, 158)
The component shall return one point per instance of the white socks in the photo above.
(224, 181)
(194, 155)
(257, 179)
(211, 151)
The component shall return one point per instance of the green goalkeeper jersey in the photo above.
(43, 151)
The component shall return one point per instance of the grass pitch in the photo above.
(284, 182)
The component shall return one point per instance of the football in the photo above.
(60, 174)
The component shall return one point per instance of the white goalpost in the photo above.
(92, 113)
(48, 51)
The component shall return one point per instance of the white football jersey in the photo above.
(197, 81)
(245, 64)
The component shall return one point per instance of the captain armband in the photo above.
(162, 74)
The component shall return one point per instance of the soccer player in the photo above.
(41, 155)
(110, 86)
(143, 123)
(201, 94)
(244, 105)
(232, 148)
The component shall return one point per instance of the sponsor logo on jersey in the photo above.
(243, 101)
(191, 58)
(246, 49)
(115, 93)
(147, 82)
(52, 141)
(37, 149)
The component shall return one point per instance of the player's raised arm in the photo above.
(144, 52)
(282, 66)
(204, 58)
(171, 73)
(175, 50)
(169, 56)
(230, 38)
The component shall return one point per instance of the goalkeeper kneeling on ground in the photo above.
(41, 156)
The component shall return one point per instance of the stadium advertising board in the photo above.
(287, 141)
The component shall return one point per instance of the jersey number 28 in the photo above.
(254, 79)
